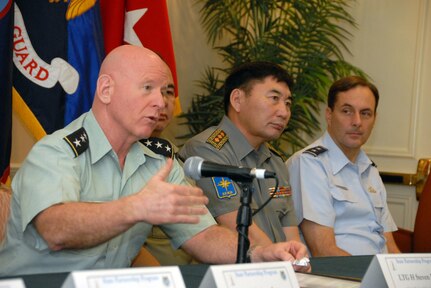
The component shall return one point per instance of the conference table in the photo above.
(347, 267)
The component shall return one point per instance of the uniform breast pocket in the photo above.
(343, 194)
(343, 198)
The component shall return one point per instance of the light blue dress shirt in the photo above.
(330, 190)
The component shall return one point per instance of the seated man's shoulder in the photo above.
(78, 141)
(217, 139)
(70, 142)
(315, 150)
(160, 146)
(211, 139)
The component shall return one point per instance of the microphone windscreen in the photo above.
(192, 167)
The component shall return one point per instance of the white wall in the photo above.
(393, 45)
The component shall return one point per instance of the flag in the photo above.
(6, 34)
(85, 54)
(57, 51)
(142, 23)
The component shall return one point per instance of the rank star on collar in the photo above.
(158, 144)
(168, 148)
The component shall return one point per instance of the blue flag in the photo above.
(58, 49)
(85, 54)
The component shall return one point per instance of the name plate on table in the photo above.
(251, 275)
(12, 283)
(399, 270)
(151, 277)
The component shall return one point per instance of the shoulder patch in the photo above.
(276, 152)
(315, 151)
(159, 146)
(78, 141)
(218, 138)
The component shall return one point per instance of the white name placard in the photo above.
(12, 283)
(252, 275)
(399, 270)
(151, 277)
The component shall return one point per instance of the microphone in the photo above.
(196, 167)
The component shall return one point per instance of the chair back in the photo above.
(422, 230)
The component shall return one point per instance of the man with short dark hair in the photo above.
(257, 102)
(339, 197)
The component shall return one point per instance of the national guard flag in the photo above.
(57, 51)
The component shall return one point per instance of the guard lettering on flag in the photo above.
(57, 49)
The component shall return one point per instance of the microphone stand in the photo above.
(244, 220)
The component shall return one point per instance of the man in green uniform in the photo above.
(87, 195)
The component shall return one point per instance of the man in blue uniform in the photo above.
(339, 197)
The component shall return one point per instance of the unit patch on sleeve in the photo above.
(159, 146)
(218, 138)
(78, 141)
(224, 187)
(315, 150)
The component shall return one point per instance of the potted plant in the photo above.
(306, 37)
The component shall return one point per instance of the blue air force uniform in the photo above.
(330, 190)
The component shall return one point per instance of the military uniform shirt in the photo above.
(224, 194)
(52, 174)
(331, 191)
